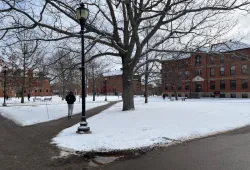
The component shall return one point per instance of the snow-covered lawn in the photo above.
(158, 122)
(31, 112)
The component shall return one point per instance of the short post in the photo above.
(5, 71)
(105, 89)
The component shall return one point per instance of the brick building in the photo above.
(113, 84)
(36, 84)
(222, 72)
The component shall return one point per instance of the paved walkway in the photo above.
(228, 151)
(29, 148)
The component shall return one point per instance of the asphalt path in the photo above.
(29, 148)
(228, 151)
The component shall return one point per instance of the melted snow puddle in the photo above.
(101, 160)
(63, 154)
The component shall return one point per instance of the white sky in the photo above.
(242, 31)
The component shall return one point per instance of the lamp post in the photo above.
(105, 80)
(82, 14)
(4, 85)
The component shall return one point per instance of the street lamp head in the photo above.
(82, 13)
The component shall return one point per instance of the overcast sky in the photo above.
(243, 29)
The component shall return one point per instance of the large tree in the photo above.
(117, 27)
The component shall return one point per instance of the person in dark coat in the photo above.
(70, 98)
(29, 97)
(163, 96)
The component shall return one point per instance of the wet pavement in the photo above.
(228, 151)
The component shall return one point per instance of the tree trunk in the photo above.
(93, 96)
(146, 87)
(175, 93)
(128, 94)
(94, 92)
(22, 95)
(63, 90)
(146, 77)
(146, 81)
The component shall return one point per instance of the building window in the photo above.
(211, 71)
(244, 84)
(221, 59)
(211, 60)
(244, 95)
(198, 60)
(47, 90)
(222, 71)
(222, 84)
(233, 84)
(198, 72)
(244, 69)
(233, 95)
(233, 57)
(179, 87)
(222, 95)
(212, 85)
(244, 56)
(187, 73)
(24, 91)
(35, 91)
(166, 87)
(232, 70)
(187, 86)
(40, 90)
(180, 74)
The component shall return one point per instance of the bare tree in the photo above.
(63, 71)
(178, 69)
(149, 73)
(95, 70)
(24, 57)
(119, 30)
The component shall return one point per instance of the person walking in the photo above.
(163, 96)
(70, 98)
(29, 97)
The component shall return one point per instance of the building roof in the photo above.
(227, 46)
(176, 56)
(113, 73)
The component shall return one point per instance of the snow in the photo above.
(30, 112)
(159, 122)
(226, 46)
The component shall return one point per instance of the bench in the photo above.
(183, 99)
(47, 99)
(36, 99)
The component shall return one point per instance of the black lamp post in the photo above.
(4, 85)
(82, 14)
(105, 89)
